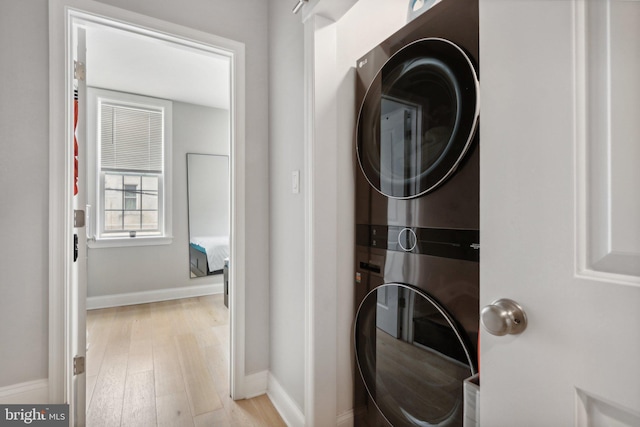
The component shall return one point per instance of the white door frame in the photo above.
(61, 15)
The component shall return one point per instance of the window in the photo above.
(131, 158)
(130, 203)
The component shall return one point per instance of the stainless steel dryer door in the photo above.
(414, 369)
(418, 118)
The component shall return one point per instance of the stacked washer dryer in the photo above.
(417, 221)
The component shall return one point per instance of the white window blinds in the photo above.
(130, 139)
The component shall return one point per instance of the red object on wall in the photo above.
(75, 143)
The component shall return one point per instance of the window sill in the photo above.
(121, 242)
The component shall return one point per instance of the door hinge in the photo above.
(79, 218)
(79, 70)
(78, 365)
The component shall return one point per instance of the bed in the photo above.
(207, 254)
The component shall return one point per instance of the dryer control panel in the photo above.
(447, 243)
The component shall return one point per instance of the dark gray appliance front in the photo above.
(417, 220)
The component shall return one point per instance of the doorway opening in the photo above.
(67, 286)
(157, 114)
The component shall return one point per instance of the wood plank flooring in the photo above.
(166, 364)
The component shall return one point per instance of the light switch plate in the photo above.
(295, 182)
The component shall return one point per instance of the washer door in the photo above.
(418, 118)
(411, 357)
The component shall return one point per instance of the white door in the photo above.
(79, 266)
(560, 210)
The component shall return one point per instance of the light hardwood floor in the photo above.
(166, 364)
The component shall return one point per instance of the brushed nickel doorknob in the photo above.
(503, 317)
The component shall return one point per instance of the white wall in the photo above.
(196, 129)
(24, 191)
(286, 154)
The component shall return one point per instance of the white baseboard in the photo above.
(133, 298)
(31, 392)
(345, 419)
(255, 384)
(284, 404)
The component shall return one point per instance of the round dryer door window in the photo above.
(411, 357)
(418, 118)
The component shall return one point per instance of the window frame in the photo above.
(97, 237)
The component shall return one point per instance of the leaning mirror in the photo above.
(209, 199)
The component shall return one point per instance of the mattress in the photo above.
(215, 247)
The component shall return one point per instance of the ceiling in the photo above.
(127, 62)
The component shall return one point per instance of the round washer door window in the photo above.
(418, 118)
(412, 358)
